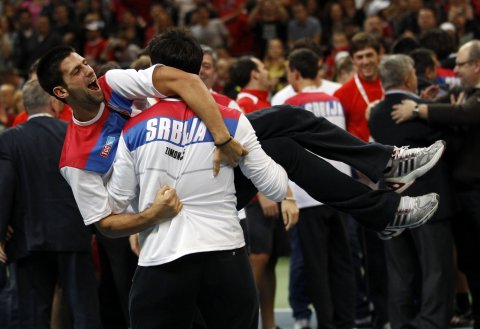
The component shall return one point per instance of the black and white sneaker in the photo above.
(412, 212)
(409, 164)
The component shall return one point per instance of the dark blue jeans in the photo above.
(297, 294)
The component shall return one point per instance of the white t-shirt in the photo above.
(168, 144)
(327, 86)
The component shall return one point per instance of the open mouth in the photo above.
(94, 86)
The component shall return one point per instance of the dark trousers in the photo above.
(301, 130)
(376, 277)
(330, 278)
(420, 272)
(297, 290)
(37, 275)
(467, 239)
(219, 283)
(118, 264)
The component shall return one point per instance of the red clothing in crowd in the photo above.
(253, 100)
(355, 105)
(64, 115)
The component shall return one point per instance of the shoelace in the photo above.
(405, 152)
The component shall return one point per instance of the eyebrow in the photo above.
(74, 68)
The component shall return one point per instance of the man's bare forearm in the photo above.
(121, 225)
(172, 82)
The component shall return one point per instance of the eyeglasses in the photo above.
(460, 64)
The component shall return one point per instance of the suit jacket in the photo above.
(35, 199)
(466, 119)
(415, 133)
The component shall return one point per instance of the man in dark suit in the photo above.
(50, 244)
(419, 262)
(465, 118)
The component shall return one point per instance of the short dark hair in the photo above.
(48, 70)
(240, 71)
(439, 41)
(305, 61)
(404, 45)
(308, 43)
(178, 49)
(423, 59)
(363, 40)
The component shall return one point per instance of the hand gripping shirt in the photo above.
(169, 144)
(89, 147)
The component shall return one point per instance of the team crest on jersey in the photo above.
(108, 146)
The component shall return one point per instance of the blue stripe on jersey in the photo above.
(119, 102)
(101, 156)
(176, 132)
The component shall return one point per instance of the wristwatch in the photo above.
(416, 112)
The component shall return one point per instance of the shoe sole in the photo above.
(400, 185)
(383, 236)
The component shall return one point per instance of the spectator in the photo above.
(95, 43)
(302, 25)
(65, 25)
(275, 62)
(465, 169)
(328, 269)
(208, 74)
(420, 268)
(160, 22)
(6, 40)
(210, 32)
(49, 243)
(265, 232)
(426, 20)
(23, 42)
(268, 20)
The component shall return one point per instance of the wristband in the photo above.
(290, 198)
(224, 143)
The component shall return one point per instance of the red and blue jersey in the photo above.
(92, 145)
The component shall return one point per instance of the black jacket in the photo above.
(466, 119)
(35, 199)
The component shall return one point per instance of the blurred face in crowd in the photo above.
(426, 19)
(207, 71)
(7, 92)
(339, 40)
(300, 13)
(61, 14)
(43, 25)
(373, 25)
(275, 48)
(366, 63)
(467, 68)
(25, 21)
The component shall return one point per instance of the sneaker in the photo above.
(302, 324)
(409, 164)
(412, 212)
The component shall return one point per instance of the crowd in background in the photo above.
(116, 32)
